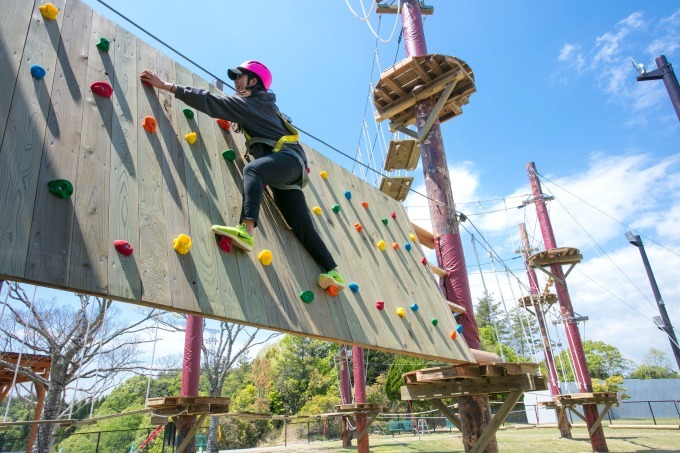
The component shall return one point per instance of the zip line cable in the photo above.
(611, 217)
(605, 253)
(310, 135)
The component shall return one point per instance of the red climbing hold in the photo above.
(223, 124)
(380, 305)
(225, 244)
(394, 215)
(424, 260)
(102, 89)
(123, 247)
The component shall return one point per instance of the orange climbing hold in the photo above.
(395, 246)
(364, 204)
(223, 124)
(453, 334)
(49, 11)
(358, 227)
(149, 124)
(332, 291)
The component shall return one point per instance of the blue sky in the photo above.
(554, 85)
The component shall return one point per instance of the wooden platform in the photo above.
(396, 188)
(361, 407)
(196, 405)
(530, 300)
(579, 399)
(562, 255)
(417, 78)
(433, 384)
(402, 155)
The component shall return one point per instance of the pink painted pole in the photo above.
(475, 413)
(345, 392)
(191, 373)
(360, 396)
(585, 385)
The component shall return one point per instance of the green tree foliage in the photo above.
(611, 384)
(604, 361)
(655, 365)
(401, 365)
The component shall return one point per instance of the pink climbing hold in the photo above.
(225, 244)
(103, 89)
(123, 247)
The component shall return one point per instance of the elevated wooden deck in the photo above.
(540, 299)
(417, 78)
(563, 256)
(396, 188)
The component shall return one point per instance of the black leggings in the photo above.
(279, 169)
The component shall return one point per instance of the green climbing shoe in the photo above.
(332, 278)
(238, 234)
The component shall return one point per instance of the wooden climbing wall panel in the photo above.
(149, 188)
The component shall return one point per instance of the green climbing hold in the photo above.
(103, 44)
(307, 296)
(61, 188)
(434, 321)
(336, 208)
(384, 221)
(229, 155)
(188, 113)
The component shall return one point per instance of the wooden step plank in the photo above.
(395, 187)
(402, 155)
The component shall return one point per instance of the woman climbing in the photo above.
(279, 160)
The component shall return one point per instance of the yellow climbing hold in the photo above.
(324, 174)
(182, 244)
(412, 237)
(49, 11)
(265, 257)
(401, 312)
(317, 210)
(191, 137)
(381, 245)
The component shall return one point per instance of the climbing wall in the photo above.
(148, 188)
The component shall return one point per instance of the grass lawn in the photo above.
(511, 441)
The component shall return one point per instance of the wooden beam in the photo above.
(424, 237)
(483, 357)
(437, 270)
(405, 130)
(191, 434)
(455, 308)
(368, 425)
(465, 387)
(448, 413)
(434, 114)
(496, 421)
(425, 10)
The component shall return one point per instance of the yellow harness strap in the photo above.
(276, 145)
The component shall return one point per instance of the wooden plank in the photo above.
(48, 259)
(124, 278)
(22, 145)
(496, 421)
(152, 253)
(14, 20)
(181, 267)
(460, 387)
(437, 374)
(203, 254)
(90, 234)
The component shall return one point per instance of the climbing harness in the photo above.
(279, 145)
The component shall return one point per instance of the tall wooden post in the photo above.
(191, 373)
(475, 412)
(33, 433)
(562, 421)
(582, 375)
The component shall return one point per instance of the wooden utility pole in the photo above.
(581, 372)
(537, 301)
(475, 413)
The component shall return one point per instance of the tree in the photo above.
(603, 360)
(87, 343)
(655, 365)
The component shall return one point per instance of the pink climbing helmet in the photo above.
(256, 68)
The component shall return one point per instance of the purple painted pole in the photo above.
(475, 413)
(582, 375)
(345, 392)
(360, 396)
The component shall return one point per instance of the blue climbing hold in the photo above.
(38, 71)
(459, 328)
(407, 246)
(354, 287)
(415, 307)
(348, 194)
